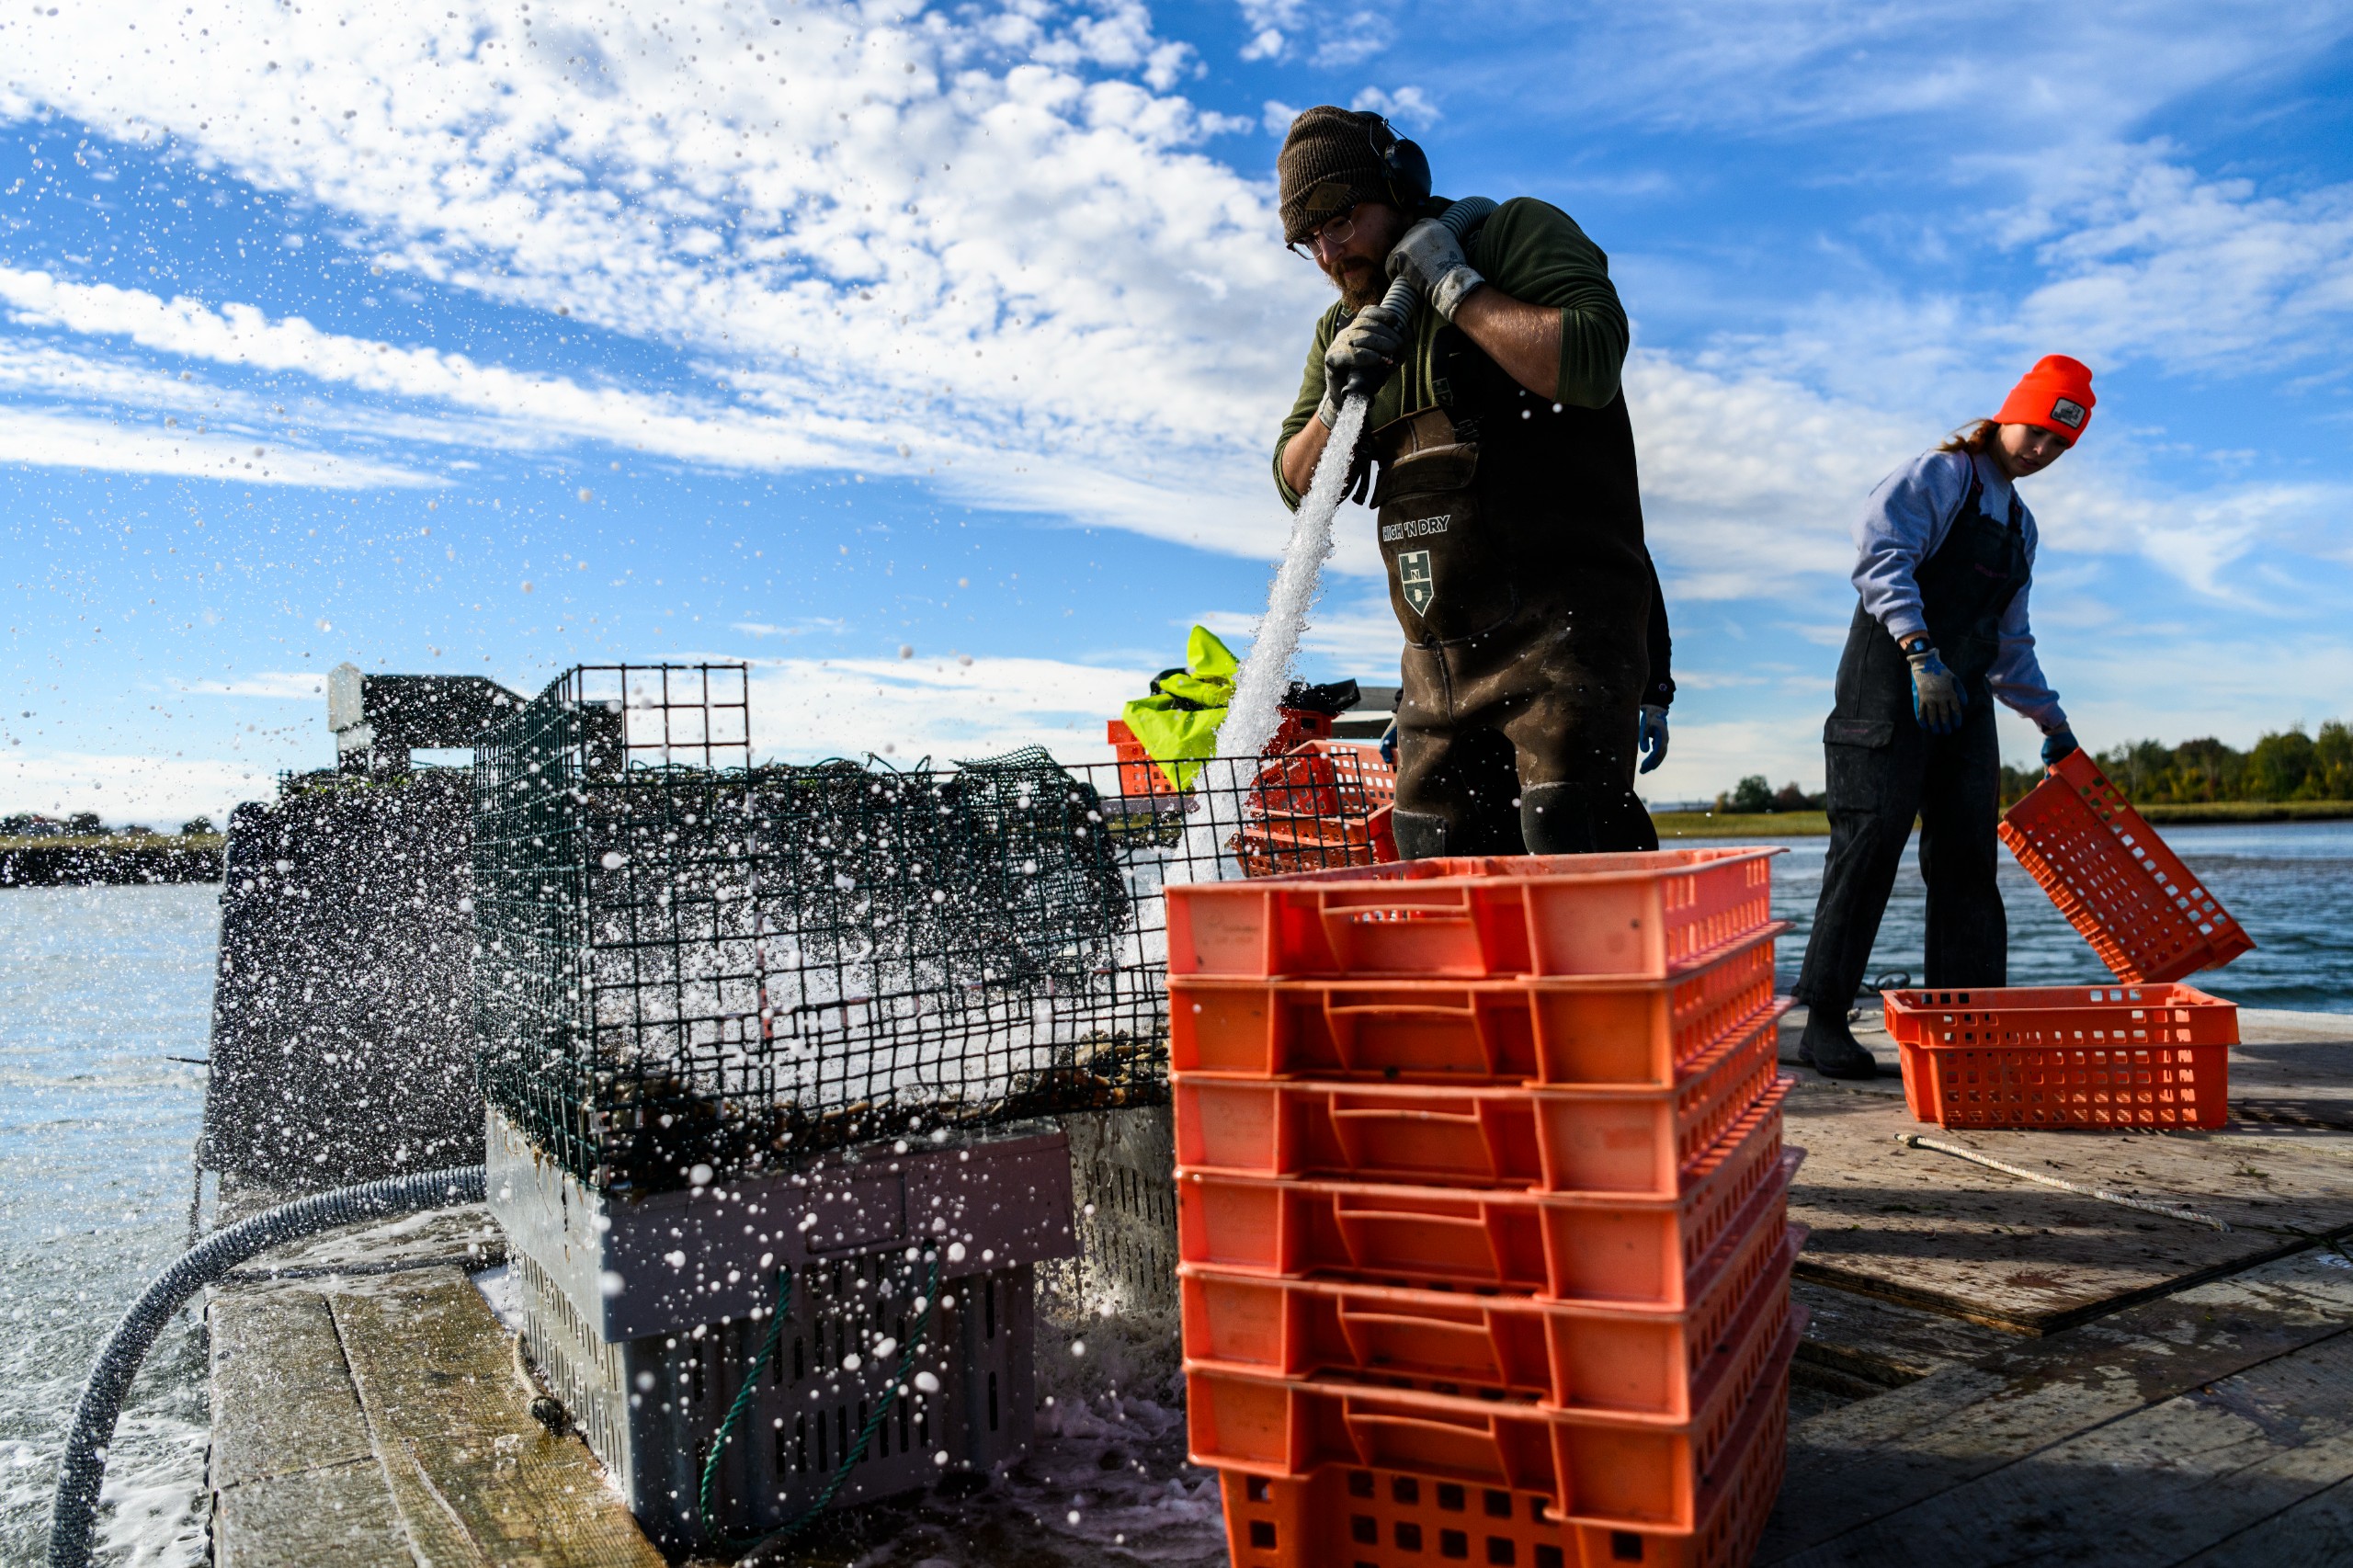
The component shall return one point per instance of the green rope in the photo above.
(747, 1395)
(743, 1399)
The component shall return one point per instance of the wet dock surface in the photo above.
(1999, 1372)
(1996, 1372)
(367, 1409)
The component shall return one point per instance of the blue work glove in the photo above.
(1389, 743)
(1937, 696)
(1650, 736)
(2057, 745)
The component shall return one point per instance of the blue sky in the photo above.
(931, 357)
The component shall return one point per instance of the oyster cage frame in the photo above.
(687, 959)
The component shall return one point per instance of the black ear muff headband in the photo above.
(1403, 163)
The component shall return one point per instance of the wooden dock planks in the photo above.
(294, 1479)
(1922, 1227)
(2186, 1421)
(476, 1479)
(375, 1418)
(2176, 1396)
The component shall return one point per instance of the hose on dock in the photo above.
(83, 1470)
(2170, 1210)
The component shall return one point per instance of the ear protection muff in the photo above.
(1406, 165)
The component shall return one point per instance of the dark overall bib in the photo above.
(1883, 769)
(1512, 537)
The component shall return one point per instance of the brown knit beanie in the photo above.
(1326, 166)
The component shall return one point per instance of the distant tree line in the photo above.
(86, 825)
(1752, 796)
(2287, 765)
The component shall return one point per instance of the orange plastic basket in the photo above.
(1565, 1247)
(1630, 916)
(2114, 879)
(2065, 1056)
(1610, 1140)
(1564, 1355)
(1323, 778)
(1282, 848)
(1341, 1515)
(1615, 1470)
(1138, 775)
(1584, 1033)
(1325, 804)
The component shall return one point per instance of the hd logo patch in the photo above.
(1414, 579)
(2068, 412)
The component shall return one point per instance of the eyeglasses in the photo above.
(1334, 233)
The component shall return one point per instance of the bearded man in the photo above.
(1535, 660)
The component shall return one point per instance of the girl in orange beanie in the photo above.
(1945, 551)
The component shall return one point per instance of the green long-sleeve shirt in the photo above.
(1532, 251)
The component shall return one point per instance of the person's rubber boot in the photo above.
(1828, 1047)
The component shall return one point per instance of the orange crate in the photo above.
(1322, 778)
(1341, 1515)
(1286, 846)
(2065, 1056)
(1563, 1246)
(2114, 879)
(1615, 1470)
(1138, 775)
(1582, 1033)
(1325, 804)
(1630, 916)
(1565, 1355)
(1610, 1140)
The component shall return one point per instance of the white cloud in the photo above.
(160, 793)
(935, 705)
(298, 683)
(1749, 480)
(2146, 257)
(2062, 81)
(833, 212)
(1358, 637)
(1353, 38)
(52, 439)
(1406, 107)
(1270, 23)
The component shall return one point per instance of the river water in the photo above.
(2290, 884)
(99, 988)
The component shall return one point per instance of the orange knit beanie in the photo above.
(2056, 395)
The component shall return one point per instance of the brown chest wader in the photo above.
(1512, 537)
(1884, 770)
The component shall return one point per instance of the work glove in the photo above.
(1389, 743)
(2058, 744)
(1650, 736)
(1431, 259)
(1363, 352)
(1937, 696)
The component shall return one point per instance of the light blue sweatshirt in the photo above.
(1904, 522)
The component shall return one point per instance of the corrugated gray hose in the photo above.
(83, 1468)
(1402, 299)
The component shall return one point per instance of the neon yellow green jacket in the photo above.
(1178, 725)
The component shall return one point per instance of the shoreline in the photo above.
(197, 858)
(111, 861)
(1816, 825)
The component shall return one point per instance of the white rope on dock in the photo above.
(2171, 1212)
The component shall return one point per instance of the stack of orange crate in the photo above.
(1320, 805)
(1482, 1208)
